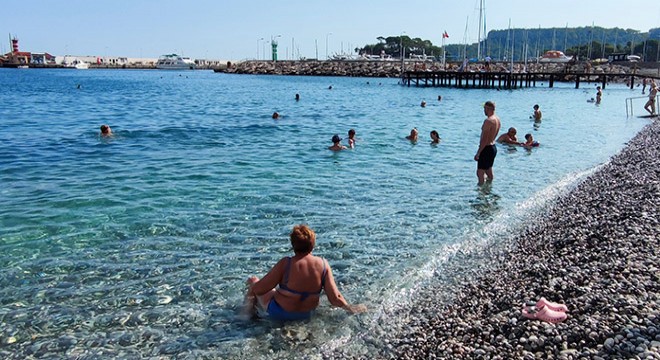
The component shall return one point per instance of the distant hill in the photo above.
(573, 41)
(569, 40)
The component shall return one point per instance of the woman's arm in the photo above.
(335, 297)
(270, 281)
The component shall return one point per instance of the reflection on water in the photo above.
(485, 205)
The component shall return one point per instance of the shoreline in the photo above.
(596, 249)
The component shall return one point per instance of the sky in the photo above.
(243, 29)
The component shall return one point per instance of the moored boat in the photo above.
(175, 62)
(555, 56)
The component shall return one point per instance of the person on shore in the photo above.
(413, 135)
(336, 144)
(644, 85)
(529, 141)
(292, 288)
(435, 137)
(485, 156)
(599, 94)
(351, 138)
(276, 115)
(653, 93)
(106, 130)
(538, 115)
(509, 137)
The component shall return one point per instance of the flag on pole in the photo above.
(445, 35)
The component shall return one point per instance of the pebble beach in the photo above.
(595, 250)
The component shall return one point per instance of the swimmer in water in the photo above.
(351, 138)
(276, 115)
(435, 137)
(538, 115)
(530, 141)
(106, 130)
(336, 144)
(413, 135)
(509, 137)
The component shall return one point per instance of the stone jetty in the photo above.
(596, 249)
(393, 68)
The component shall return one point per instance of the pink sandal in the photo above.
(544, 314)
(551, 305)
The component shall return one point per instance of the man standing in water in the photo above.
(485, 156)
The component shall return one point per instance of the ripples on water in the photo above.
(139, 245)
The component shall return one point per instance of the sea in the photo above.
(139, 245)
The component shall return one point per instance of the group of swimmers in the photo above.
(413, 138)
(511, 138)
(336, 141)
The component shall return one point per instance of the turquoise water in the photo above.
(139, 245)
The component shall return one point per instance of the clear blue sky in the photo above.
(231, 29)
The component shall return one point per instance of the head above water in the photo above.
(336, 138)
(303, 239)
(276, 115)
(512, 131)
(528, 137)
(351, 133)
(536, 107)
(105, 129)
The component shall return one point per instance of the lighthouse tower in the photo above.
(14, 45)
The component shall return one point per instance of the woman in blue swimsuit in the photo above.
(292, 288)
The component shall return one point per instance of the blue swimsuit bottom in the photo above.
(276, 312)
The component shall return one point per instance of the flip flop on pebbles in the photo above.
(544, 314)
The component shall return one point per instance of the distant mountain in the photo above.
(570, 40)
(586, 42)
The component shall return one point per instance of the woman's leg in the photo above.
(251, 300)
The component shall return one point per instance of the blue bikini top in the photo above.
(303, 294)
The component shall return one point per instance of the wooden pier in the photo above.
(507, 80)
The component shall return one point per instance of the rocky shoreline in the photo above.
(597, 250)
(383, 68)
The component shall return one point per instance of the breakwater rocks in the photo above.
(597, 250)
(321, 68)
(384, 68)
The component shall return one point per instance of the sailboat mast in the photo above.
(513, 50)
(565, 36)
(465, 37)
(506, 46)
(538, 42)
(554, 34)
(481, 18)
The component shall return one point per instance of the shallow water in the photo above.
(139, 245)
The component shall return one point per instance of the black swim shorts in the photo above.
(487, 157)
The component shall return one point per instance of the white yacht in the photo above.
(81, 65)
(175, 62)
